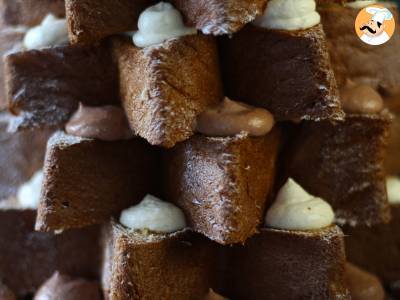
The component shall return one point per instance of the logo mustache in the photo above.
(368, 28)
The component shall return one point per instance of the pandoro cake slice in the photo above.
(89, 21)
(223, 176)
(87, 180)
(222, 183)
(10, 41)
(164, 87)
(343, 163)
(45, 86)
(349, 55)
(28, 258)
(155, 266)
(282, 64)
(392, 160)
(298, 254)
(280, 264)
(218, 17)
(376, 248)
(150, 254)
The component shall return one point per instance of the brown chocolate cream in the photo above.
(363, 285)
(230, 118)
(107, 123)
(361, 99)
(62, 287)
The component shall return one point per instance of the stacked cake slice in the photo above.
(193, 150)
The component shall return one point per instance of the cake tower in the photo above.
(197, 149)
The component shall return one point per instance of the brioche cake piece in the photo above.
(349, 55)
(28, 258)
(343, 162)
(222, 178)
(151, 255)
(61, 286)
(299, 255)
(10, 41)
(45, 86)
(15, 18)
(21, 155)
(90, 21)
(94, 170)
(29, 12)
(282, 64)
(46, 81)
(166, 82)
(377, 248)
(164, 87)
(392, 159)
(218, 17)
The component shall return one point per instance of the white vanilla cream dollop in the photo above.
(289, 15)
(360, 4)
(393, 189)
(51, 32)
(295, 209)
(155, 215)
(28, 194)
(158, 23)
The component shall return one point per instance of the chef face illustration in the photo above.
(374, 30)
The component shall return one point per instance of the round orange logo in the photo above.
(375, 25)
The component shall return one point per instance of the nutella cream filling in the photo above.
(159, 23)
(230, 118)
(51, 32)
(363, 285)
(289, 15)
(28, 194)
(361, 99)
(153, 214)
(295, 209)
(67, 288)
(106, 123)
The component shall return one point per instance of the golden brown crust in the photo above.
(223, 184)
(86, 181)
(292, 265)
(90, 21)
(164, 87)
(219, 17)
(286, 72)
(343, 163)
(175, 266)
(29, 12)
